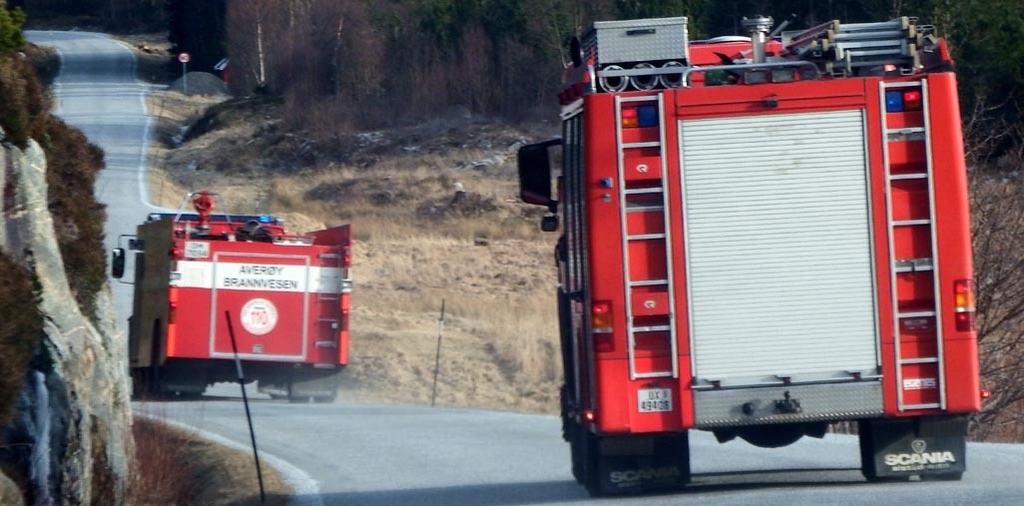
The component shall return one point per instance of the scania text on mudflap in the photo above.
(287, 297)
(760, 236)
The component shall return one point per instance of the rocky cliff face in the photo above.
(74, 414)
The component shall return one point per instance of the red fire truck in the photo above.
(285, 297)
(761, 236)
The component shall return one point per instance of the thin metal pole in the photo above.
(437, 357)
(245, 400)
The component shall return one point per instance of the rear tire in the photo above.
(296, 398)
(325, 399)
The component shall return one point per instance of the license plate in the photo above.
(197, 249)
(654, 400)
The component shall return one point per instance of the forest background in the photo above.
(345, 66)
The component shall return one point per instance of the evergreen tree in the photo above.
(11, 21)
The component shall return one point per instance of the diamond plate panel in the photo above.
(756, 406)
(638, 40)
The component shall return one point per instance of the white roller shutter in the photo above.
(778, 247)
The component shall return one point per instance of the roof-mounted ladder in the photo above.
(840, 48)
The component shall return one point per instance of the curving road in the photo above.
(97, 92)
(388, 455)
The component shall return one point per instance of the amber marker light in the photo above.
(963, 301)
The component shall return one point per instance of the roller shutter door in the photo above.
(778, 247)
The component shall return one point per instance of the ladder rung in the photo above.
(649, 282)
(914, 134)
(917, 314)
(914, 265)
(915, 175)
(644, 98)
(906, 223)
(894, 36)
(645, 237)
(329, 255)
(644, 209)
(921, 360)
(658, 374)
(899, 84)
(931, 405)
(630, 145)
(652, 328)
(642, 191)
(326, 344)
(905, 131)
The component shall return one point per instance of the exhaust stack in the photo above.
(759, 27)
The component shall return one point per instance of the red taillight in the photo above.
(601, 316)
(963, 304)
(176, 251)
(603, 343)
(985, 394)
(346, 256)
(589, 416)
(601, 325)
(630, 118)
(912, 101)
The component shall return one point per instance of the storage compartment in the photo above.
(637, 40)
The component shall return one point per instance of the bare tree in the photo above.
(997, 224)
(247, 40)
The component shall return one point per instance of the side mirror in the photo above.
(117, 263)
(535, 173)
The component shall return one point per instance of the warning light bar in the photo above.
(643, 116)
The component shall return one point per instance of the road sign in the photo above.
(184, 57)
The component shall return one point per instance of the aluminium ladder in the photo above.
(840, 48)
(328, 263)
(643, 201)
(912, 255)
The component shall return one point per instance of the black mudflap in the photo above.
(926, 447)
(638, 464)
(183, 376)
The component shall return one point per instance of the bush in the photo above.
(72, 166)
(11, 37)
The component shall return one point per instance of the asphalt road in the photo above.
(356, 454)
(378, 455)
(97, 92)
